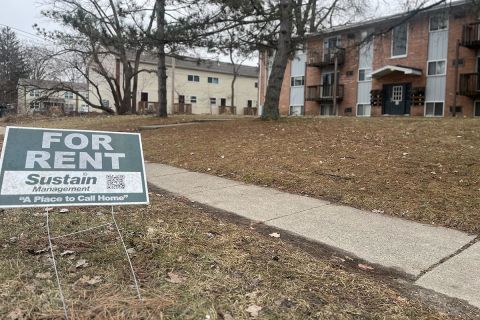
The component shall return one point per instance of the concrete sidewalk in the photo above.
(441, 259)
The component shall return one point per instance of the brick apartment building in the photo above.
(396, 65)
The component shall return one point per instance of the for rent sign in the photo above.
(54, 167)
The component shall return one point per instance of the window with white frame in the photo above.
(34, 93)
(297, 81)
(193, 78)
(436, 68)
(364, 74)
(35, 105)
(434, 109)
(193, 99)
(213, 80)
(213, 100)
(397, 93)
(68, 95)
(364, 110)
(106, 103)
(439, 22)
(399, 40)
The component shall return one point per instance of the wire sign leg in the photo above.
(128, 256)
(55, 268)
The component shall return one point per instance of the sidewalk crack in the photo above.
(445, 259)
(297, 212)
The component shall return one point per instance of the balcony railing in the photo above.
(324, 93)
(325, 58)
(471, 35)
(469, 85)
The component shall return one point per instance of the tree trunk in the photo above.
(233, 91)
(162, 69)
(272, 97)
(126, 101)
(235, 71)
(135, 81)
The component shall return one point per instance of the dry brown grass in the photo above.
(426, 170)
(225, 269)
(420, 169)
(101, 122)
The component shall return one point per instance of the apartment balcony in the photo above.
(469, 85)
(324, 93)
(471, 35)
(326, 58)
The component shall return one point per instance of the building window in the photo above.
(297, 81)
(365, 74)
(436, 68)
(399, 40)
(213, 80)
(439, 22)
(364, 110)
(34, 93)
(193, 99)
(213, 101)
(476, 112)
(434, 109)
(69, 107)
(296, 111)
(84, 108)
(68, 95)
(249, 103)
(35, 105)
(326, 109)
(256, 84)
(193, 78)
(397, 93)
(105, 103)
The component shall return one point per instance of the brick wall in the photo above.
(417, 57)
(455, 27)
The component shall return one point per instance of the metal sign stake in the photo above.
(128, 257)
(55, 267)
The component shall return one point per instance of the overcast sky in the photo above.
(22, 14)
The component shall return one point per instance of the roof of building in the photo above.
(199, 64)
(386, 19)
(53, 85)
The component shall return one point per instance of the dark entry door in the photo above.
(397, 99)
(144, 96)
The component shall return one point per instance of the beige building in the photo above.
(193, 85)
(46, 96)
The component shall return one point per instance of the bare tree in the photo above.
(102, 30)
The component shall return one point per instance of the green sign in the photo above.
(55, 167)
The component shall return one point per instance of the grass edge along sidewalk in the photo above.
(414, 248)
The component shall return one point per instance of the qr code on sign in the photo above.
(116, 181)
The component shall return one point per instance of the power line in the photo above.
(28, 33)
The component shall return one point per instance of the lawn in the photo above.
(421, 169)
(426, 170)
(195, 263)
(191, 264)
